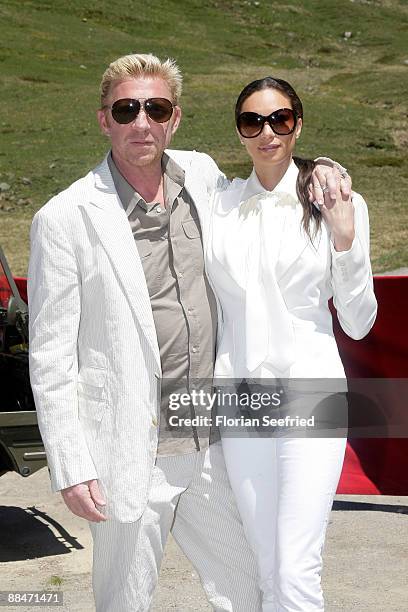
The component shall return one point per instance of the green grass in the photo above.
(54, 581)
(355, 92)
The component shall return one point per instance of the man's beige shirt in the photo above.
(170, 246)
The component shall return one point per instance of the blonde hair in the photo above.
(141, 65)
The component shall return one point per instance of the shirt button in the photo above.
(159, 209)
(180, 274)
(191, 309)
(154, 421)
(194, 349)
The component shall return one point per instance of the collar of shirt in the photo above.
(173, 185)
(287, 184)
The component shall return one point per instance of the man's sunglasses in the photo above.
(126, 110)
(282, 122)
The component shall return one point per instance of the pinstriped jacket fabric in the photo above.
(94, 358)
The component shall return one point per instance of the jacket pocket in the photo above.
(91, 392)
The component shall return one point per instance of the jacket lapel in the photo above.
(197, 189)
(112, 226)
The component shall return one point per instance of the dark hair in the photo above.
(305, 166)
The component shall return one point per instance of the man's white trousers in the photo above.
(190, 496)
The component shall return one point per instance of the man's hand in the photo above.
(329, 179)
(81, 499)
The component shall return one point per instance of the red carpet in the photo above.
(378, 466)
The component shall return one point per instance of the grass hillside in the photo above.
(348, 60)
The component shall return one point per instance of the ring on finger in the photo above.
(324, 189)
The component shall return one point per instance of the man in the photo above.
(119, 302)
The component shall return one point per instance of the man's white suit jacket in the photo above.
(94, 357)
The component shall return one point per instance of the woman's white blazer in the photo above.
(308, 273)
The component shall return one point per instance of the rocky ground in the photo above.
(43, 546)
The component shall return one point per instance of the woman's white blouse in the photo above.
(274, 283)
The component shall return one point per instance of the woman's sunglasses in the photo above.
(282, 122)
(126, 110)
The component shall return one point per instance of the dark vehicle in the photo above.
(21, 447)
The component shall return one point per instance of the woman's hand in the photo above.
(326, 175)
(338, 213)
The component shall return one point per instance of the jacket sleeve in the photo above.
(213, 177)
(54, 316)
(328, 161)
(352, 280)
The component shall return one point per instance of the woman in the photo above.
(274, 260)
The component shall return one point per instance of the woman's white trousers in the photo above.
(284, 489)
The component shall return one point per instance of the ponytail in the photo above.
(310, 212)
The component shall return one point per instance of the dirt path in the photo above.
(42, 544)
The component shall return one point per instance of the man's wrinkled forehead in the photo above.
(140, 87)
